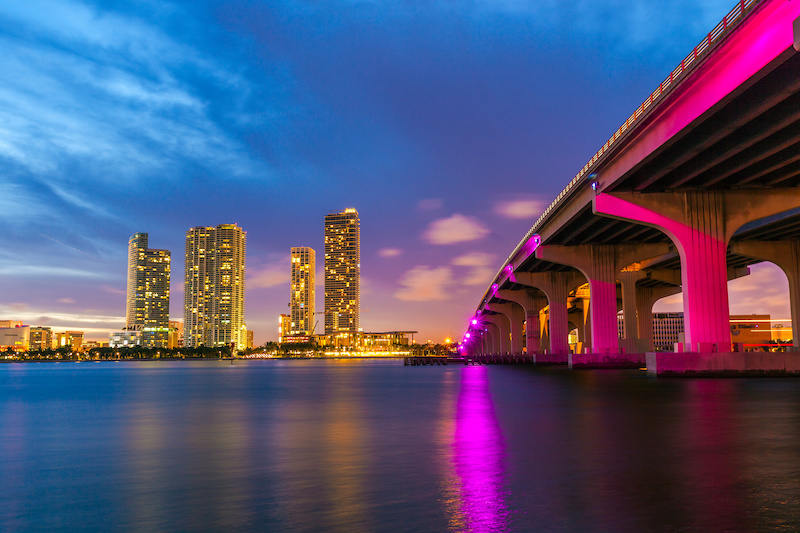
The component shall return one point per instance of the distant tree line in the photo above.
(131, 352)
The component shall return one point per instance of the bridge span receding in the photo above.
(702, 180)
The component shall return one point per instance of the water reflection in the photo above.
(713, 467)
(474, 498)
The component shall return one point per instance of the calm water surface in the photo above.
(372, 445)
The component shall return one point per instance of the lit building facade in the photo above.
(752, 332)
(301, 300)
(213, 307)
(148, 292)
(667, 330)
(41, 339)
(73, 339)
(175, 334)
(284, 326)
(342, 272)
(15, 338)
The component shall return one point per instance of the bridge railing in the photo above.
(726, 25)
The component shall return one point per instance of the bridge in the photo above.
(698, 183)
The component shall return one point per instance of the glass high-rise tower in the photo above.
(342, 271)
(301, 301)
(147, 306)
(213, 301)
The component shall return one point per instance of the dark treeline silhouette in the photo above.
(134, 352)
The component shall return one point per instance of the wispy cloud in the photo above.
(454, 229)
(107, 88)
(480, 267)
(270, 275)
(40, 317)
(19, 270)
(430, 204)
(390, 252)
(114, 290)
(520, 208)
(425, 284)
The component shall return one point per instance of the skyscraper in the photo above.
(301, 301)
(213, 302)
(147, 308)
(342, 271)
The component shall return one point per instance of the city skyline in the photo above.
(451, 133)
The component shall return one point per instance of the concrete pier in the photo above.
(738, 364)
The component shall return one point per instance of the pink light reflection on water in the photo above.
(478, 456)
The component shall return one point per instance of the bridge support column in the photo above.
(532, 301)
(630, 311)
(493, 337)
(503, 339)
(585, 332)
(515, 314)
(600, 264)
(786, 255)
(488, 344)
(701, 224)
(554, 286)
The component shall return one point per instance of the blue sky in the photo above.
(448, 125)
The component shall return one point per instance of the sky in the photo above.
(449, 125)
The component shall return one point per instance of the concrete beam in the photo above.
(515, 314)
(700, 223)
(554, 286)
(532, 301)
(601, 265)
(502, 343)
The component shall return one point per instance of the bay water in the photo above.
(372, 445)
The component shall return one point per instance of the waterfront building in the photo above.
(148, 292)
(10, 323)
(213, 310)
(753, 332)
(342, 272)
(41, 339)
(15, 338)
(301, 300)
(667, 330)
(74, 339)
(125, 338)
(250, 336)
(88, 345)
(284, 327)
(782, 332)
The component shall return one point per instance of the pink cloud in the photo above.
(424, 284)
(457, 228)
(520, 208)
(270, 275)
(113, 290)
(389, 252)
(429, 204)
(480, 267)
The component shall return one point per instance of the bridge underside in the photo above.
(669, 209)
